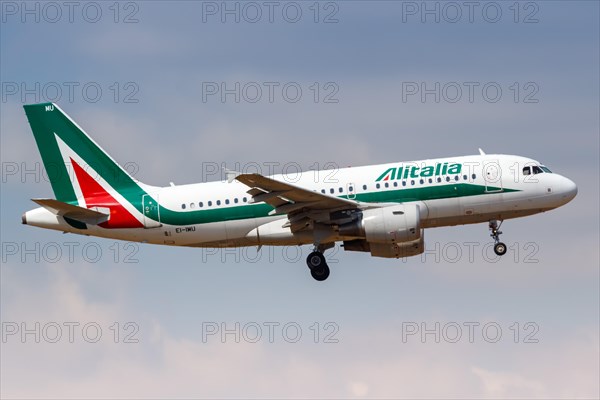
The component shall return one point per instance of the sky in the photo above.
(176, 90)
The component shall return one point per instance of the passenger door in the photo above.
(492, 174)
(151, 211)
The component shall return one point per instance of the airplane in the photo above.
(379, 209)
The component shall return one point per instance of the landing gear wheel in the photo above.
(321, 273)
(315, 260)
(500, 249)
(318, 266)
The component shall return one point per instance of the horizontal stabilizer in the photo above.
(77, 213)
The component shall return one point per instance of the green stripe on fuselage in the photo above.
(386, 196)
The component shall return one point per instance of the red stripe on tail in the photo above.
(96, 196)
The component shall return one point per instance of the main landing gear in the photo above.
(499, 247)
(317, 264)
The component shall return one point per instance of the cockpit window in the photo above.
(536, 170)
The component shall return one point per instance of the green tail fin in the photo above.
(61, 142)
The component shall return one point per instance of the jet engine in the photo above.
(391, 232)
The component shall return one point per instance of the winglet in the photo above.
(481, 152)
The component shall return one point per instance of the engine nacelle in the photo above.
(387, 250)
(398, 250)
(387, 225)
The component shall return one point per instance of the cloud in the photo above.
(162, 365)
(508, 385)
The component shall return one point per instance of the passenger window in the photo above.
(200, 204)
(226, 201)
(439, 179)
(473, 176)
(387, 185)
(332, 191)
(218, 202)
(527, 171)
(183, 206)
(396, 184)
(244, 199)
(364, 187)
(403, 183)
(192, 205)
(378, 186)
(430, 180)
(447, 179)
(323, 191)
(456, 178)
(465, 177)
(350, 188)
(421, 181)
(210, 203)
(341, 190)
(412, 182)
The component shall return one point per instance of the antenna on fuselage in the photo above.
(481, 152)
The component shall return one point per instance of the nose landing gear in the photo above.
(499, 247)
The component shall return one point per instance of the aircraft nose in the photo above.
(568, 189)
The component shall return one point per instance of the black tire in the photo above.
(320, 274)
(500, 249)
(316, 260)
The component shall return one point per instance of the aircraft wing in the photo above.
(303, 207)
(287, 198)
(77, 213)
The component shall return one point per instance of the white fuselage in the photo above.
(489, 187)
